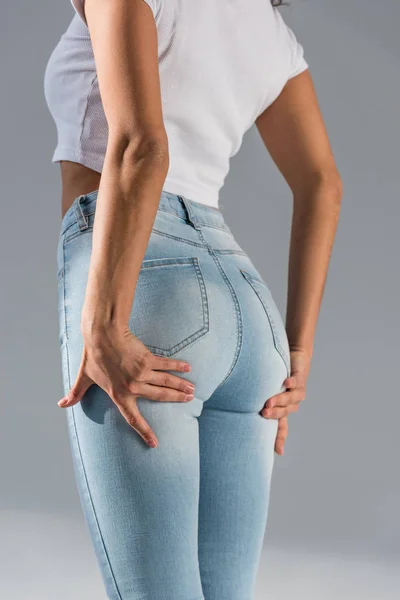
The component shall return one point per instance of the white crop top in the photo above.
(221, 63)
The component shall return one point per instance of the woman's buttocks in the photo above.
(198, 297)
(183, 304)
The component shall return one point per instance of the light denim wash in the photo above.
(185, 520)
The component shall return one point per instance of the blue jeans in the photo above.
(185, 520)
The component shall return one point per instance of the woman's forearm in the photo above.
(315, 217)
(127, 202)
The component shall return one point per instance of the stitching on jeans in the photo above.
(197, 221)
(170, 261)
(172, 212)
(228, 251)
(209, 225)
(92, 506)
(205, 312)
(179, 239)
(69, 226)
(64, 303)
(198, 245)
(274, 330)
(78, 444)
(158, 232)
(75, 223)
(239, 321)
(65, 333)
(249, 278)
(77, 234)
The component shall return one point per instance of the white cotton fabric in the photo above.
(221, 63)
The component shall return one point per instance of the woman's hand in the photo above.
(126, 369)
(280, 405)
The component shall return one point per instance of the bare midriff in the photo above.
(76, 179)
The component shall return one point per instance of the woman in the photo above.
(178, 372)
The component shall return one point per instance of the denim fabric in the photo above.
(185, 520)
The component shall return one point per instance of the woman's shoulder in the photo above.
(79, 7)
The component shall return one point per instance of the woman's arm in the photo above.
(124, 41)
(294, 133)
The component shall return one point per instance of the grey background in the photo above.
(333, 528)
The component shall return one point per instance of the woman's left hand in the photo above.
(280, 405)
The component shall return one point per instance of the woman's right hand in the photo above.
(126, 369)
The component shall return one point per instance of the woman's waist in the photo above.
(178, 219)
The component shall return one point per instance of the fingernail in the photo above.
(62, 402)
(152, 443)
(189, 397)
(189, 388)
(187, 368)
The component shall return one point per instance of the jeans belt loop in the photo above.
(191, 217)
(80, 217)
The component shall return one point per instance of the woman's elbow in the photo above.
(136, 149)
(326, 182)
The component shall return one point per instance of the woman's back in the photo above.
(221, 64)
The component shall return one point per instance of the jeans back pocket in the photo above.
(277, 325)
(170, 308)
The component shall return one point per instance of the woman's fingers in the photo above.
(282, 404)
(281, 435)
(76, 393)
(164, 379)
(290, 382)
(130, 412)
(278, 412)
(161, 394)
(167, 364)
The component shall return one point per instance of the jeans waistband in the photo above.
(195, 213)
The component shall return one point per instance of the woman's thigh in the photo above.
(237, 443)
(140, 504)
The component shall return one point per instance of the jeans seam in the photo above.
(172, 212)
(169, 261)
(179, 239)
(224, 251)
(79, 448)
(68, 227)
(64, 304)
(77, 234)
(197, 221)
(272, 325)
(212, 226)
(239, 321)
(183, 344)
(106, 555)
(157, 231)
